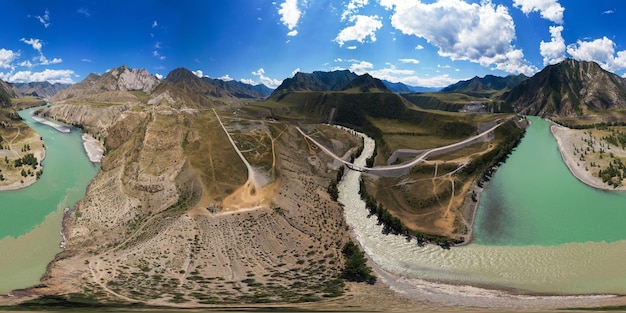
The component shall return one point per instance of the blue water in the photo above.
(67, 172)
(533, 199)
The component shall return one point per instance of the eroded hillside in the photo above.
(155, 225)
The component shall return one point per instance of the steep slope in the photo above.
(489, 83)
(40, 89)
(316, 81)
(240, 90)
(156, 227)
(569, 88)
(366, 83)
(6, 93)
(114, 86)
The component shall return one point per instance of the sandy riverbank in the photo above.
(39, 151)
(93, 148)
(567, 139)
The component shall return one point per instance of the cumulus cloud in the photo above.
(225, 78)
(549, 9)
(159, 76)
(289, 13)
(52, 76)
(601, 51)
(248, 81)
(155, 24)
(292, 33)
(479, 32)
(38, 45)
(33, 42)
(364, 28)
(295, 71)
(419, 47)
(393, 74)
(269, 82)
(553, 51)
(351, 47)
(7, 57)
(412, 61)
(352, 7)
(361, 67)
(198, 73)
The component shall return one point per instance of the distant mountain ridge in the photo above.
(487, 83)
(568, 88)
(316, 81)
(119, 85)
(40, 89)
(404, 88)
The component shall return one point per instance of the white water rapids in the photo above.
(452, 276)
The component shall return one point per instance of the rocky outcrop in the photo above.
(110, 87)
(134, 79)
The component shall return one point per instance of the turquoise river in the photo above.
(538, 229)
(30, 218)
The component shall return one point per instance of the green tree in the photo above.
(356, 268)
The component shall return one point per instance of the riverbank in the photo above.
(93, 148)
(13, 179)
(569, 141)
(60, 128)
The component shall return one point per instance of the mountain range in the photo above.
(569, 88)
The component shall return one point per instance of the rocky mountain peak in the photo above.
(134, 79)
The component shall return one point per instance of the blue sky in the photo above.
(430, 43)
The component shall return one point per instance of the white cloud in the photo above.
(549, 9)
(608, 12)
(86, 60)
(352, 7)
(601, 51)
(292, 33)
(159, 76)
(44, 61)
(364, 27)
(26, 64)
(248, 81)
(84, 12)
(419, 47)
(33, 42)
(269, 82)
(553, 51)
(155, 24)
(351, 47)
(412, 61)
(289, 13)
(7, 57)
(198, 73)
(225, 78)
(295, 71)
(479, 32)
(157, 55)
(52, 76)
(44, 19)
(361, 67)
(393, 74)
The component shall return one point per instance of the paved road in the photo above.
(396, 170)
